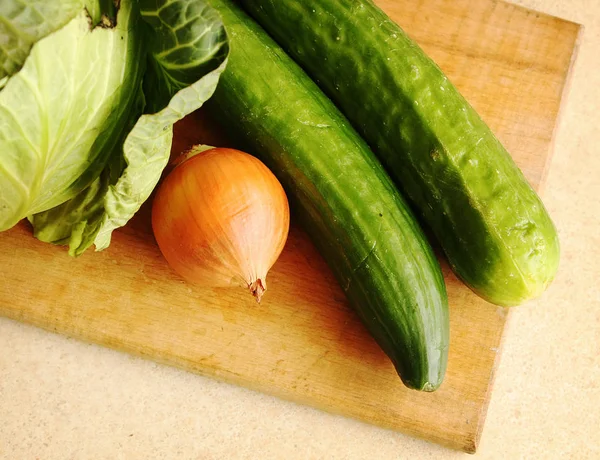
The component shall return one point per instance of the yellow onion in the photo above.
(221, 217)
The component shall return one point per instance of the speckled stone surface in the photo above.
(62, 399)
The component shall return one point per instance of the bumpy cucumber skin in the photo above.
(491, 224)
(346, 201)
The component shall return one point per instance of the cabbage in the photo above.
(86, 124)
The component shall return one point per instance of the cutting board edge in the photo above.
(540, 190)
(564, 95)
(467, 443)
(482, 416)
(529, 9)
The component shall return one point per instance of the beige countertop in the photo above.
(63, 399)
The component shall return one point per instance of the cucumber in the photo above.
(490, 223)
(341, 194)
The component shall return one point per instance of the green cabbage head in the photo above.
(89, 93)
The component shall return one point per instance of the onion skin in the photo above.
(221, 217)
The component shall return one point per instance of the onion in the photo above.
(221, 217)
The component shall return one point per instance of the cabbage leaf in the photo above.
(63, 112)
(180, 47)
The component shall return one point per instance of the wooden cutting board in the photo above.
(303, 343)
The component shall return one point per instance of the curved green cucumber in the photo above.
(345, 200)
(490, 223)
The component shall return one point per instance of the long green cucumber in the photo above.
(491, 224)
(341, 194)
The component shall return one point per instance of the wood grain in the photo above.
(303, 343)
